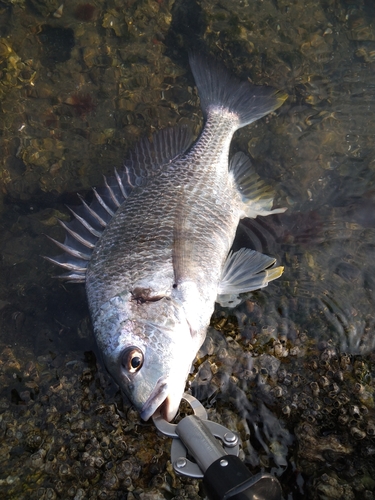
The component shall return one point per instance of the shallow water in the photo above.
(291, 369)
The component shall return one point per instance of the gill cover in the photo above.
(149, 359)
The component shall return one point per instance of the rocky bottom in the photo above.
(304, 412)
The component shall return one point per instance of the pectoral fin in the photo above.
(245, 271)
(183, 248)
(257, 196)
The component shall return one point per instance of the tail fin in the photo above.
(219, 89)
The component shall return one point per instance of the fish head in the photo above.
(149, 354)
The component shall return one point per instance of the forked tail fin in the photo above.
(219, 89)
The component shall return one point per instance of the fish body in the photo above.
(154, 247)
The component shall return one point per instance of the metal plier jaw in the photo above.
(215, 450)
(203, 439)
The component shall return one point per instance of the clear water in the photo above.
(76, 92)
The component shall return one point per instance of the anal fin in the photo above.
(245, 271)
(256, 195)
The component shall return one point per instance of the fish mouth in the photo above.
(156, 399)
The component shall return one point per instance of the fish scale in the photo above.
(153, 248)
(126, 257)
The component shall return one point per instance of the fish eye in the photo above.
(132, 359)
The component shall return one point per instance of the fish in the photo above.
(154, 246)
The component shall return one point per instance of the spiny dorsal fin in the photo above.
(257, 196)
(89, 222)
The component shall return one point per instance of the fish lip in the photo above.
(156, 398)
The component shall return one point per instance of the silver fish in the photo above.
(154, 246)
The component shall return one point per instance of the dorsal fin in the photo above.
(149, 155)
(83, 232)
